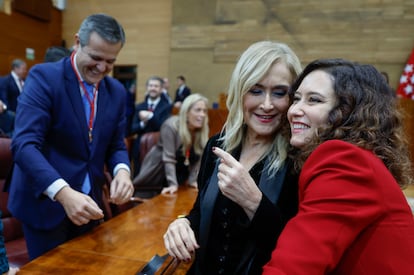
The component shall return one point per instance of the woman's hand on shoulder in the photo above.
(179, 240)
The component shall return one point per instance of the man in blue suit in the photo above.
(70, 122)
(149, 115)
(11, 85)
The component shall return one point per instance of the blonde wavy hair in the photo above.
(201, 136)
(251, 68)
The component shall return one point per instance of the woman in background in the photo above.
(353, 217)
(246, 194)
(175, 159)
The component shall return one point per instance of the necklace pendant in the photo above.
(187, 157)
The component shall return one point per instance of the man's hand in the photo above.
(79, 208)
(121, 189)
(144, 115)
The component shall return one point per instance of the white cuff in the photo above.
(121, 166)
(54, 188)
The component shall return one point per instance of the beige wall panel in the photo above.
(214, 33)
(202, 39)
(375, 31)
(201, 74)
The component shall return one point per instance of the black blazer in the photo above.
(180, 97)
(7, 123)
(274, 211)
(9, 92)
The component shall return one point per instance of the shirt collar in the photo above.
(15, 76)
(155, 102)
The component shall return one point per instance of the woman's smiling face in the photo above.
(266, 103)
(313, 101)
(196, 116)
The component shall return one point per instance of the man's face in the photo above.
(154, 88)
(95, 60)
(21, 71)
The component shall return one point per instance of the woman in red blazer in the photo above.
(353, 217)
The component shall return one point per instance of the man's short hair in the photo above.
(105, 26)
(16, 63)
(155, 78)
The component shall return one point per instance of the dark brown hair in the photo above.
(365, 115)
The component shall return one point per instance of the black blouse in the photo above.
(228, 232)
(231, 232)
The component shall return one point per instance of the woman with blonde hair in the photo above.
(246, 193)
(175, 159)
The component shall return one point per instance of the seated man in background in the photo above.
(149, 115)
(11, 85)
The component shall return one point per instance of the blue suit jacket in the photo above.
(9, 92)
(51, 141)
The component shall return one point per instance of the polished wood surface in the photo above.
(122, 245)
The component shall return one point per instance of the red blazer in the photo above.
(353, 218)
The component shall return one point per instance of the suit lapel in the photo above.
(102, 105)
(271, 186)
(15, 88)
(73, 93)
(207, 204)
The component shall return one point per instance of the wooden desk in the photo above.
(122, 245)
